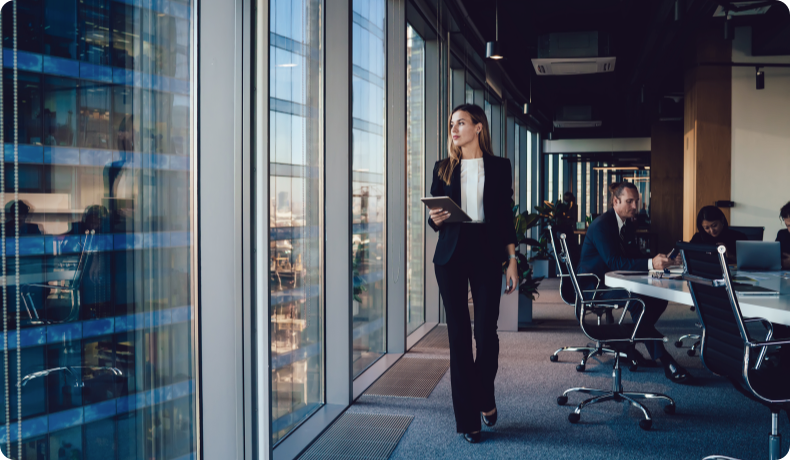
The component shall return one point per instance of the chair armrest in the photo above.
(767, 324)
(608, 290)
(768, 343)
(47, 286)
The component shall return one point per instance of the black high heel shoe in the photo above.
(489, 420)
(472, 438)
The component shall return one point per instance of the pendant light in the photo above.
(494, 48)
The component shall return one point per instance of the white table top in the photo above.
(775, 309)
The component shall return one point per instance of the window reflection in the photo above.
(368, 201)
(415, 161)
(295, 209)
(97, 293)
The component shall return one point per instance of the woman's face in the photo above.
(463, 130)
(712, 228)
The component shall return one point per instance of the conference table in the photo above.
(775, 309)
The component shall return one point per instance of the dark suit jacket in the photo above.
(497, 193)
(603, 250)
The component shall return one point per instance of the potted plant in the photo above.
(516, 310)
(557, 215)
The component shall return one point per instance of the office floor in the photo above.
(712, 418)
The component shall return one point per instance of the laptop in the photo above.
(758, 255)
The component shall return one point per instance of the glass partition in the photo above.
(296, 211)
(368, 201)
(95, 196)
(415, 165)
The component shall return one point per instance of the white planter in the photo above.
(508, 310)
(540, 268)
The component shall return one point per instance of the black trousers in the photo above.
(471, 379)
(654, 308)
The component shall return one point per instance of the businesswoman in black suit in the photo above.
(474, 252)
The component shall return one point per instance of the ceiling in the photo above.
(645, 37)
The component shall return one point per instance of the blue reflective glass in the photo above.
(415, 179)
(368, 201)
(296, 206)
(95, 226)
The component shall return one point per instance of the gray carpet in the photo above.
(712, 418)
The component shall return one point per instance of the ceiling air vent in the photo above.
(576, 117)
(743, 9)
(573, 53)
(573, 66)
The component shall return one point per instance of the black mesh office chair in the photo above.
(619, 335)
(727, 348)
(753, 233)
(568, 295)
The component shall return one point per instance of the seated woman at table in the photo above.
(783, 235)
(712, 228)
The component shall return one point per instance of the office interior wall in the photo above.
(707, 127)
(760, 139)
(666, 183)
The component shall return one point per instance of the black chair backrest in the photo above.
(724, 337)
(572, 276)
(567, 292)
(753, 233)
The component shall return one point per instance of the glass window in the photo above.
(470, 95)
(561, 178)
(587, 171)
(98, 306)
(550, 177)
(368, 202)
(578, 189)
(415, 178)
(296, 207)
(517, 167)
(529, 171)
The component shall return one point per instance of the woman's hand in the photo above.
(439, 215)
(511, 276)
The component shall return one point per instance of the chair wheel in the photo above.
(679, 344)
(562, 400)
(554, 358)
(633, 367)
(573, 417)
(645, 424)
(669, 409)
(580, 367)
(691, 353)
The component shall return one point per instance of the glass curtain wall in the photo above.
(296, 211)
(368, 202)
(415, 178)
(95, 196)
(517, 167)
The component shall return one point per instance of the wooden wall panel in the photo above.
(707, 126)
(666, 183)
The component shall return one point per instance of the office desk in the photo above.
(775, 309)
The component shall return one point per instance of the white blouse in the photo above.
(473, 178)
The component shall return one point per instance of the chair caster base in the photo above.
(691, 353)
(678, 344)
(669, 409)
(580, 368)
(645, 424)
(554, 358)
(562, 400)
(573, 417)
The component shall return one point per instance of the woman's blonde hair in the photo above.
(477, 114)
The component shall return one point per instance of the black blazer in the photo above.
(603, 250)
(497, 193)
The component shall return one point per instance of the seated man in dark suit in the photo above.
(610, 244)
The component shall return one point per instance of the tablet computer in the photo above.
(447, 203)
